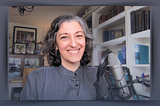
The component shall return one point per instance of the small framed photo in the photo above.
(19, 48)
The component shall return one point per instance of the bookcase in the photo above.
(120, 21)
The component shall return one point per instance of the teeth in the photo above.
(73, 51)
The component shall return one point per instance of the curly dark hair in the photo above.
(53, 55)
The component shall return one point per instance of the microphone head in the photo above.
(112, 59)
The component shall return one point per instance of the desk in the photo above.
(13, 83)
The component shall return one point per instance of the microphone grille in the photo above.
(112, 59)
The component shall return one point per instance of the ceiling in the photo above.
(41, 15)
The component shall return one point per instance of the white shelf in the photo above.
(121, 21)
(135, 8)
(89, 13)
(113, 42)
(141, 65)
(114, 21)
(142, 34)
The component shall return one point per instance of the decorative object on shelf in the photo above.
(30, 48)
(19, 48)
(39, 48)
(24, 10)
(31, 62)
(25, 35)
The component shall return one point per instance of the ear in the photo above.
(56, 47)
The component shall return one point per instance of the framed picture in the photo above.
(30, 48)
(24, 35)
(19, 48)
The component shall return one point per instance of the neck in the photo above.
(71, 66)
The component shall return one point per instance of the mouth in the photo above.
(74, 51)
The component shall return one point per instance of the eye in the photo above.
(79, 36)
(64, 37)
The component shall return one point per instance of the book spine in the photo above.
(144, 54)
(120, 9)
(124, 55)
(114, 10)
(137, 61)
(102, 19)
(120, 56)
(118, 33)
(105, 36)
(112, 34)
(146, 19)
(108, 15)
(133, 22)
(140, 21)
(111, 12)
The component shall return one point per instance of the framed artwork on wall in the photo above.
(19, 48)
(26, 35)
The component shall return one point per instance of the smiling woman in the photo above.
(68, 48)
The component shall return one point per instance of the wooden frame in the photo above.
(19, 48)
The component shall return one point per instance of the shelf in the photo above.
(102, 10)
(114, 21)
(142, 34)
(135, 8)
(112, 42)
(141, 65)
(89, 13)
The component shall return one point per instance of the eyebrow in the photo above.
(66, 33)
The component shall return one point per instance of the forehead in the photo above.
(70, 25)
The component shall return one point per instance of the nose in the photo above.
(73, 42)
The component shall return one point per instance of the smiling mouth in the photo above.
(73, 51)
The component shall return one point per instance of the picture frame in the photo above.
(19, 48)
(25, 35)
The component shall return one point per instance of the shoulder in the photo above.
(42, 71)
(90, 69)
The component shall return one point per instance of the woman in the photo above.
(68, 47)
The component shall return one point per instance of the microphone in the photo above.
(115, 68)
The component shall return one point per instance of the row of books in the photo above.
(140, 20)
(122, 55)
(112, 34)
(141, 54)
(111, 13)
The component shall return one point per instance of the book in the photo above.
(114, 11)
(111, 12)
(108, 15)
(133, 22)
(111, 34)
(140, 21)
(105, 36)
(141, 54)
(146, 19)
(120, 9)
(120, 56)
(102, 19)
(124, 55)
(118, 33)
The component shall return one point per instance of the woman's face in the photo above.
(70, 42)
